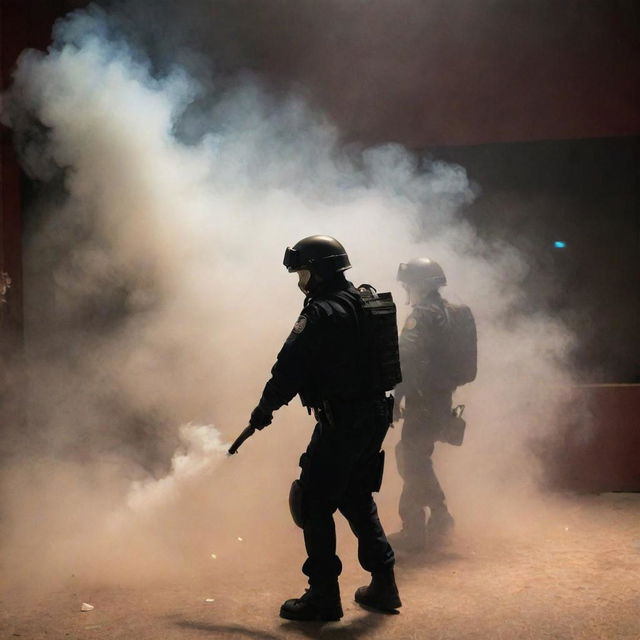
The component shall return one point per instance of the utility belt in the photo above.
(452, 431)
(331, 413)
(333, 410)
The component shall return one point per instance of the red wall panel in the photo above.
(600, 449)
(23, 24)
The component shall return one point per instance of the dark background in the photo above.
(587, 194)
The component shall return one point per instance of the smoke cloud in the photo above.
(168, 192)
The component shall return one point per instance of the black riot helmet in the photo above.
(323, 256)
(421, 273)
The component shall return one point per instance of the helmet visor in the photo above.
(292, 259)
(402, 272)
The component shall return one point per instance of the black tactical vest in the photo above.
(380, 338)
(359, 352)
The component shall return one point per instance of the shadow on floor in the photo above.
(345, 630)
(217, 629)
(428, 558)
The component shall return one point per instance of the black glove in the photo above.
(260, 418)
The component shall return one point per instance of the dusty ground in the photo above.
(579, 579)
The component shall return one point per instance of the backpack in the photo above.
(461, 344)
(381, 337)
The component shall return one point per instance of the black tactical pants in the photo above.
(340, 469)
(423, 419)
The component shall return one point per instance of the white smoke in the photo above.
(184, 235)
(203, 450)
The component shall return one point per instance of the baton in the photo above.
(247, 433)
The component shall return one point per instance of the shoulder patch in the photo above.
(410, 323)
(300, 324)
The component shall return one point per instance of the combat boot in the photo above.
(317, 604)
(408, 540)
(381, 594)
(439, 527)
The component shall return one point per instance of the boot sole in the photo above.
(378, 607)
(319, 617)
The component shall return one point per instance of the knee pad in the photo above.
(295, 502)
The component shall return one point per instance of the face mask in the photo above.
(304, 275)
(417, 293)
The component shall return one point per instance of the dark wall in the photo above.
(598, 447)
(23, 23)
(587, 194)
(425, 72)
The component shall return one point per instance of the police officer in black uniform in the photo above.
(427, 391)
(322, 360)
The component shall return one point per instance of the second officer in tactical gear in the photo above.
(438, 353)
(327, 360)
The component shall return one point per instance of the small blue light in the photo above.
(559, 244)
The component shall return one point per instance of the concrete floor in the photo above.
(579, 580)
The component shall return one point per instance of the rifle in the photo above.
(246, 433)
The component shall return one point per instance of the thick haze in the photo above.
(425, 72)
(159, 299)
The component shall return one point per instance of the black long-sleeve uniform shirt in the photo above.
(321, 359)
(422, 350)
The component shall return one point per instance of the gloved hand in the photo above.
(260, 418)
